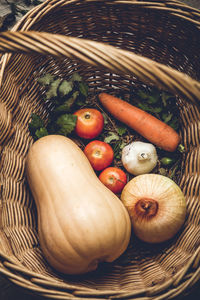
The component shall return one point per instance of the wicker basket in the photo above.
(113, 44)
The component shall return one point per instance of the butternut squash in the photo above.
(80, 221)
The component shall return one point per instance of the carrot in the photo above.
(148, 126)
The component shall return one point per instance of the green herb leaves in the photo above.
(36, 123)
(66, 124)
(65, 88)
(116, 138)
(46, 79)
(53, 89)
(65, 96)
(37, 127)
(111, 136)
(42, 131)
(160, 104)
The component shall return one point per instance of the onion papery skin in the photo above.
(166, 216)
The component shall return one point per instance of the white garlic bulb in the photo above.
(139, 157)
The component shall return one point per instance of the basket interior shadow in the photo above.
(155, 34)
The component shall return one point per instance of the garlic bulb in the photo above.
(139, 157)
(156, 206)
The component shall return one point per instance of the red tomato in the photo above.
(100, 154)
(90, 123)
(114, 178)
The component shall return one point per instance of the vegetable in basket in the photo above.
(100, 154)
(151, 128)
(89, 123)
(80, 221)
(114, 178)
(139, 158)
(156, 205)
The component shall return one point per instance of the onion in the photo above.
(156, 205)
(139, 157)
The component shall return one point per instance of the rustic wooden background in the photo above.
(10, 12)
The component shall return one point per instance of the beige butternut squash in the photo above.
(80, 221)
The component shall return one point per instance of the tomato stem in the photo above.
(87, 115)
(97, 153)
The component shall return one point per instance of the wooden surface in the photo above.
(7, 290)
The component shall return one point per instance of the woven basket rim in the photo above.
(36, 282)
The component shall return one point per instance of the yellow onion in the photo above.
(156, 206)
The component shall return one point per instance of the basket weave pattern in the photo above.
(113, 45)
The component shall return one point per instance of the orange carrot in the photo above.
(148, 126)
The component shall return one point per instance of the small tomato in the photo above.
(100, 154)
(89, 123)
(114, 178)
